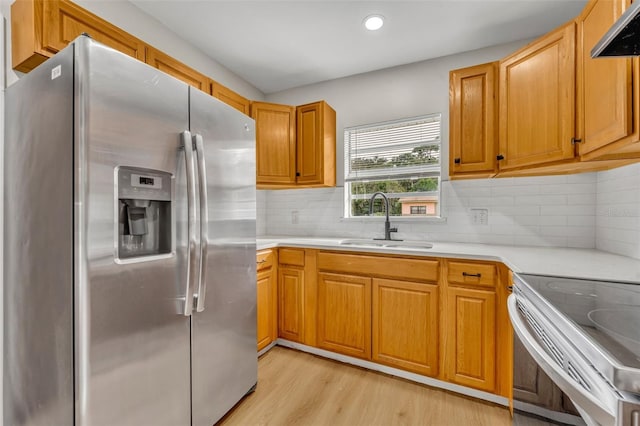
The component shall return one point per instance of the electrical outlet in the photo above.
(480, 216)
(294, 217)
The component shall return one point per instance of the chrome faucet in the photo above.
(387, 225)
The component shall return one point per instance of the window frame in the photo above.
(424, 171)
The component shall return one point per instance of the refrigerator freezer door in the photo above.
(38, 250)
(133, 340)
(224, 357)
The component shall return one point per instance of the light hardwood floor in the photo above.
(296, 388)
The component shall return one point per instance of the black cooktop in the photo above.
(609, 312)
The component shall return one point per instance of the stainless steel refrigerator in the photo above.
(129, 246)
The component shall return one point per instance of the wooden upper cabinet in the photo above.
(230, 97)
(295, 147)
(42, 28)
(316, 145)
(177, 69)
(604, 85)
(537, 101)
(275, 144)
(472, 120)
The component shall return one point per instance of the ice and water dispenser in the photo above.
(144, 206)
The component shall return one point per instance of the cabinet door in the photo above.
(405, 325)
(470, 338)
(230, 97)
(275, 143)
(472, 108)
(266, 308)
(42, 28)
(537, 101)
(316, 155)
(604, 102)
(344, 314)
(174, 68)
(291, 303)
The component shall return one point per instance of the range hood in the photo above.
(623, 38)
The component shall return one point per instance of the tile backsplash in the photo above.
(618, 211)
(557, 211)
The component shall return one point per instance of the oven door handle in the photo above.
(580, 396)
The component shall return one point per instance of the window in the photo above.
(400, 158)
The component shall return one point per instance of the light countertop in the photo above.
(563, 262)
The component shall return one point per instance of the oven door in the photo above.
(563, 364)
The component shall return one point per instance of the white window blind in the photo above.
(393, 150)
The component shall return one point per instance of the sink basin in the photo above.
(409, 244)
(388, 243)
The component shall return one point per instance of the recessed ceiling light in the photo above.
(373, 22)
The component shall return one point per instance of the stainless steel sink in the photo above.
(387, 243)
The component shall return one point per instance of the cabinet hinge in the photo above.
(456, 160)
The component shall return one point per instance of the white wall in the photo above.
(541, 211)
(618, 211)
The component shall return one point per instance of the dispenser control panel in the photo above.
(146, 181)
(144, 184)
(144, 222)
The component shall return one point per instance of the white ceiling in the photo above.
(277, 45)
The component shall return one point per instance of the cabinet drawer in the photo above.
(392, 267)
(264, 259)
(474, 274)
(289, 256)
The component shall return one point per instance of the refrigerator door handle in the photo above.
(187, 145)
(204, 223)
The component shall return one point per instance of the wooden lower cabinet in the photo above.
(442, 318)
(266, 300)
(344, 314)
(291, 303)
(405, 325)
(470, 337)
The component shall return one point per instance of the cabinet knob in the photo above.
(500, 157)
(456, 160)
(466, 274)
(575, 141)
(297, 174)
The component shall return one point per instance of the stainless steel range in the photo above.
(585, 335)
